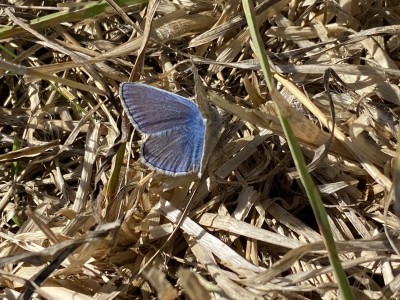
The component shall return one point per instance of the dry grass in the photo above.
(81, 215)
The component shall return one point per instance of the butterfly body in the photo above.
(173, 129)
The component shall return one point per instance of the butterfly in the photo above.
(174, 131)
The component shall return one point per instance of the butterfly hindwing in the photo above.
(176, 151)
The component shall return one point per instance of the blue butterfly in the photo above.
(172, 127)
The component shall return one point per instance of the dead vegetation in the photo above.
(81, 215)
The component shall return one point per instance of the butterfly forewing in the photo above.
(152, 110)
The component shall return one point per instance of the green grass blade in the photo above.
(305, 177)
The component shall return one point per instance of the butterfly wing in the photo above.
(153, 110)
(174, 130)
(177, 151)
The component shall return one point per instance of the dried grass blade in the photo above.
(268, 8)
(214, 245)
(88, 163)
(28, 152)
(151, 10)
(241, 228)
(88, 11)
(22, 70)
(225, 279)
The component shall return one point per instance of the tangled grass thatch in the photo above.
(81, 215)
